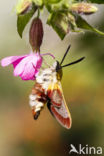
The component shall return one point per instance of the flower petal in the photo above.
(25, 66)
(37, 61)
(11, 60)
(20, 66)
(28, 73)
(32, 67)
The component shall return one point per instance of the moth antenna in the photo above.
(79, 60)
(65, 54)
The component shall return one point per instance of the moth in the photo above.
(48, 90)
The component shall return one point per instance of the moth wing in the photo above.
(57, 105)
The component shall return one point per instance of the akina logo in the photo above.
(86, 150)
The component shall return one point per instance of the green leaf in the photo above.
(92, 1)
(82, 23)
(97, 1)
(38, 3)
(72, 22)
(23, 19)
(52, 1)
(60, 23)
(61, 5)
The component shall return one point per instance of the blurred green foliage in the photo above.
(64, 15)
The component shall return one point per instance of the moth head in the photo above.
(57, 68)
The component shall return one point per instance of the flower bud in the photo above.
(83, 7)
(36, 34)
(23, 6)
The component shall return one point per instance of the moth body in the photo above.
(48, 90)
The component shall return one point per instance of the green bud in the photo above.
(23, 6)
(84, 7)
(36, 34)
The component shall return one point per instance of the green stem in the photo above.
(38, 15)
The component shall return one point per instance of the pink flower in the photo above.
(25, 66)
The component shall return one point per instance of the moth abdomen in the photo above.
(35, 114)
(36, 106)
(37, 100)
